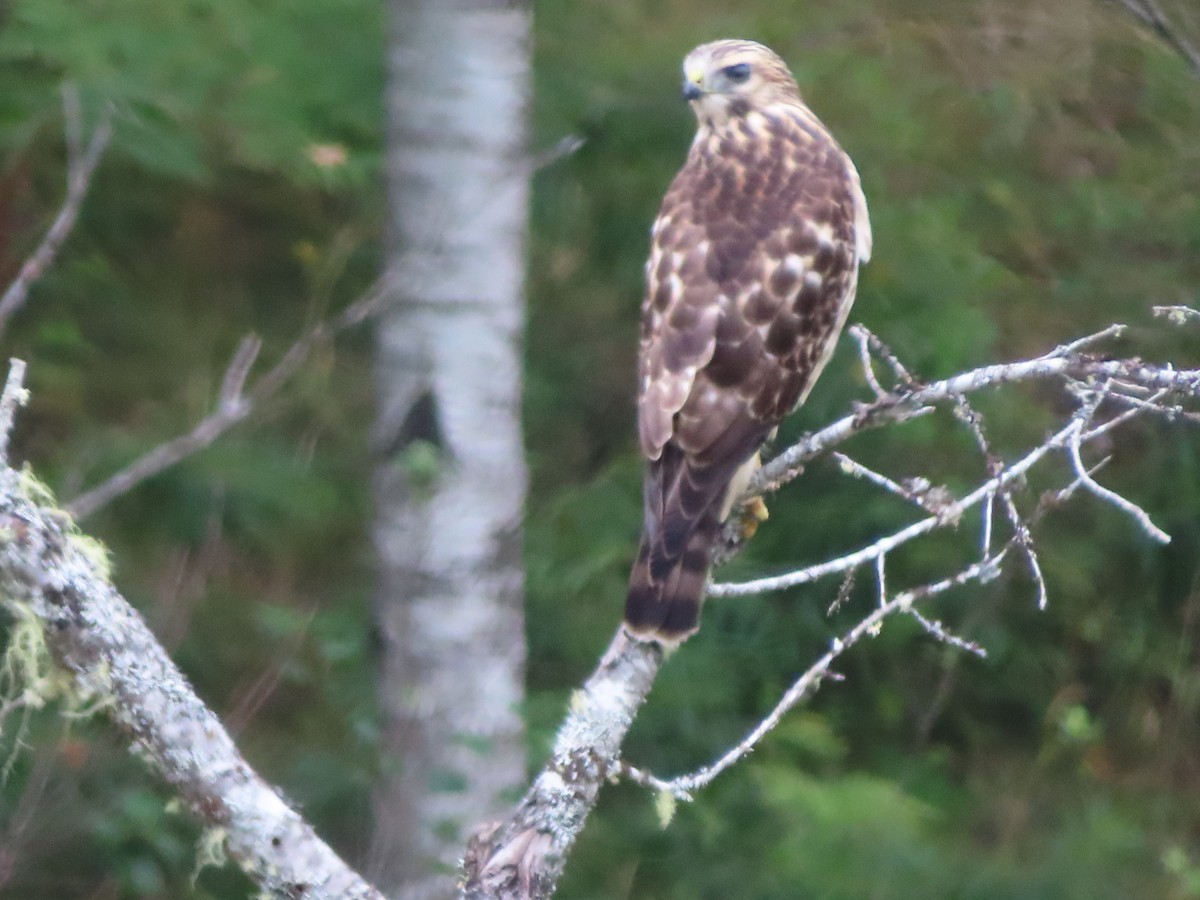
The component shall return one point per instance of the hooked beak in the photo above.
(691, 90)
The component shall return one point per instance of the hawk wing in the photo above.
(752, 271)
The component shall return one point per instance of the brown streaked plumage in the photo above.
(753, 266)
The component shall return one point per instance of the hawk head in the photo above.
(728, 78)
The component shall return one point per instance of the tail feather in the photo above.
(684, 496)
(667, 607)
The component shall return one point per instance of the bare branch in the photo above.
(237, 371)
(968, 415)
(1139, 515)
(950, 515)
(1120, 419)
(1187, 381)
(116, 665)
(157, 460)
(1148, 13)
(234, 403)
(1025, 542)
(843, 593)
(904, 405)
(1178, 315)
(79, 178)
(1170, 412)
(985, 541)
(868, 341)
(939, 631)
(819, 671)
(860, 335)
(15, 396)
(1063, 350)
(918, 491)
(524, 856)
(648, 779)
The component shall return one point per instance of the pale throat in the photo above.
(712, 111)
(754, 126)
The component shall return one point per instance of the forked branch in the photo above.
(523, 857)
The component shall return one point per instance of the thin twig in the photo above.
(683, 786)
(648, 779)
(920, 497)
(860, 335)
(79, 178)
(868, 339)
(881, 578)
(1149, 14)
(1170, 413)
(1121, 418)
(1177, 315)
(939, 631)
(843, 593)
(985, 540)
(1112, 331)
(872, 551)
(1139, 515)
(234, 404)
(237, 371)
(902, 406)
(973, 420)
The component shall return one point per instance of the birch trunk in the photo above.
(450, 481)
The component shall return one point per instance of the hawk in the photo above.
(753, 267)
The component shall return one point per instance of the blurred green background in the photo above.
(1033, 171)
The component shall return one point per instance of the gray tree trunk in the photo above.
(450, 482)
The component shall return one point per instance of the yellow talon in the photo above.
(754, 513)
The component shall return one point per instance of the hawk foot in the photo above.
(754, 513)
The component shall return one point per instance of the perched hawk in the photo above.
(753, 265)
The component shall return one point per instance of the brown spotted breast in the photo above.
(751, 274)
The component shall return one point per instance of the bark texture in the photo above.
(115, 664)
(523, 857)
(450, 482)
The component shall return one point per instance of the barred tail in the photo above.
(663, 602)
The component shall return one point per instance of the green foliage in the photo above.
(1031, 176)
(255, 85)
(1032, 172)
(238, 195)
(27, 677)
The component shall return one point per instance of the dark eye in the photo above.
(738, 72)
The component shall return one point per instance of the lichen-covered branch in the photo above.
(50, 572)
(904, 404)
(808, 683)
(524, 856)
(115, 663)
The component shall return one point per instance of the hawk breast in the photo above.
(752, 271)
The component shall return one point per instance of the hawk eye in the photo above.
(737, 73)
